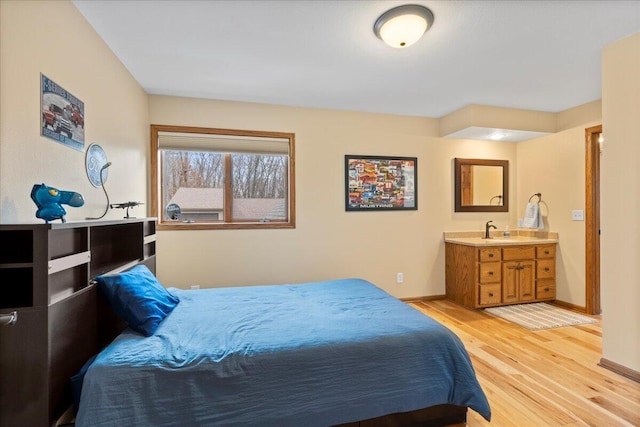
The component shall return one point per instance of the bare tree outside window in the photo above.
(259, 186)
(259, 176)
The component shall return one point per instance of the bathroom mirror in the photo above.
(481, 185)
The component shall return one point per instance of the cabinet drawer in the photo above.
(518, 252)
(489, 294)
(489, 254)
(546, 289)
(546, 251)
(546, 269)
(490, 272)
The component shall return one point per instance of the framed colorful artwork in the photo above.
(380, 183)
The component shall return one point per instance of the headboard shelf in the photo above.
(16, 286)
(45, 277)
(21, 248)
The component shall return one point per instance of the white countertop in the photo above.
(518, 237)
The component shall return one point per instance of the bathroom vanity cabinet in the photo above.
(492, 274)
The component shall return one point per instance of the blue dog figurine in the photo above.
(50, 200)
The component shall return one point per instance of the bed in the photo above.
(315, 354)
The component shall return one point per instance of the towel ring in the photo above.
(536, 194)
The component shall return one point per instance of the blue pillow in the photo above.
(138, 298)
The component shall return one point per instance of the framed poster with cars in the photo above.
(380, 183)
(62, 114)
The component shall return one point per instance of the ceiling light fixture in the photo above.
(402, 26)
(497, 136)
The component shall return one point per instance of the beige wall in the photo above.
(579, 115)
(620, 202)
(497, 117)
(329, 242)
(54, 39)
(554, 165)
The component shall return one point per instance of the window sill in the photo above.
(225, 226)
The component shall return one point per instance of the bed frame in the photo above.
(66, 321)
(434, 416)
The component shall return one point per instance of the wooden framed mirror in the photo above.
(481, 185)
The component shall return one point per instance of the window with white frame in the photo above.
(222, 178)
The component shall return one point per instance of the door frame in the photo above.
(592, 218)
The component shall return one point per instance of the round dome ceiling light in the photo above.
(402, 26)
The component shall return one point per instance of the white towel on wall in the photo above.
(533, 216)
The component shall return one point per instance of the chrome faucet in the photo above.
(487, 227)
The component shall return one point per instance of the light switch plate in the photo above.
(577, 215)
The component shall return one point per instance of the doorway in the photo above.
(593, 139)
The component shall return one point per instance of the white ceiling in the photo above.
(538, 55)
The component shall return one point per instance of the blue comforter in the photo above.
(314, 354)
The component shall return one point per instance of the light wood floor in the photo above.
(542, 378)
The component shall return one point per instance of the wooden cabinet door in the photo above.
(24, 389)
(526, 281)
(518, 281)
(510, 281)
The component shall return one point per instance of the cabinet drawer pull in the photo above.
(490, 255)
(546, 289)
(491, 273)
(546, 269)
(490, 294)
(9, 319)
(546, 252)
(526, 295)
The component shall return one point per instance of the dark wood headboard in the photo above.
(61, 319)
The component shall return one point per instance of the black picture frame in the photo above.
(380, 183)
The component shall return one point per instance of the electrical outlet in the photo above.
(577, 215)
(399, 277)
(195, 287)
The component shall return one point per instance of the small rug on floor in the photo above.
(538, 316)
